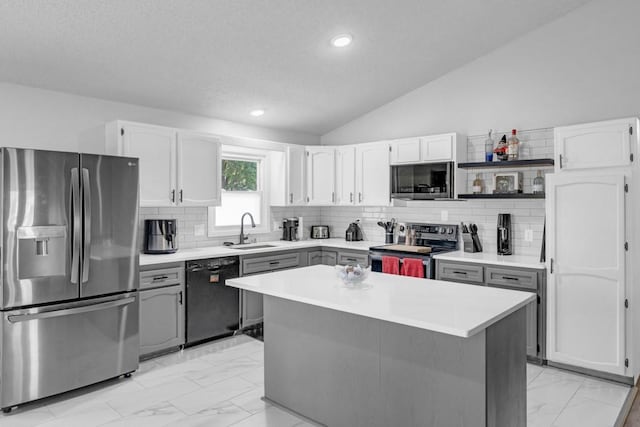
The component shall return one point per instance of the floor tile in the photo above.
(222, 370)
(251, 401)
(587, 413)
(129, 403)
(208, 397)
(270, 417)
(554, 388)
(89, 415)
(603, 391)
(26, 417)
(222, 414)
(533, 371)
(156, 415)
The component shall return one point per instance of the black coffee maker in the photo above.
(290, 228)
(160, 236)
(354, 233)
(504, 234)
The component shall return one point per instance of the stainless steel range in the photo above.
(68, 294)
(426, 240)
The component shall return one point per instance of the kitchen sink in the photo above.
(252, 246)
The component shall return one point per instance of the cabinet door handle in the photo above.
(290, 197)
(180, 196)
(180, 298)
(333, 197)
(551, 261)
(160, 278)
(351, 197)
(360, 197)
(509, 278)
(460, 272)
(560, 161)
(173, 196)
(274, 262)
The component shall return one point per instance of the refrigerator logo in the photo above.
(132, 164)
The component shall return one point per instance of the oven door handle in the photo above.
(379, 258)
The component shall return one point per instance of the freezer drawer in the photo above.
(53, 349)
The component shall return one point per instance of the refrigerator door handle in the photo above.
(76, 230)
(86, 204)
(70, 311)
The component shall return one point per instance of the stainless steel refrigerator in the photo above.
(68, 300)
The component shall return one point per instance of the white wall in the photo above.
(582, 67)
(37, 118)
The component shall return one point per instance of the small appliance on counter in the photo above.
(504, 234)
(354, 232)
(290, 229)
(319, 231)
(160, 236)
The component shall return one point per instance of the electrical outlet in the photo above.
(528, 235)
(444, 215)
(198, 230)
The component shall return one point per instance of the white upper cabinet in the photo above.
(435, 148)
(156, 148)
(176, 168)
(199, 170)
(405, 151)
(594, 145)
(372, 174)
(586, 260)
(320, 176)
(296, 160)
(287, 176)
(345, 175)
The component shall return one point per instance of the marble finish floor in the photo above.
(220, 384)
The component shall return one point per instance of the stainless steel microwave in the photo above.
(424, 181)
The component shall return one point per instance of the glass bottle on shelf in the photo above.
(478, 184)
(488, 148)
(538, 183)
(513, 145)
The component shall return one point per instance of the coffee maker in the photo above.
(290, 228)
(160, 236)
(504, 234)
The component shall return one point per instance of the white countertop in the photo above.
(523, 261)
(446, 307)
(278, 245)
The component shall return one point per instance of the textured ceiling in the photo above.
(223, 58)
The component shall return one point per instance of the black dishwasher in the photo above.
(213, 309)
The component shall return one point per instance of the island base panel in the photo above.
(341, 369)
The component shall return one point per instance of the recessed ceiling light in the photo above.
(343, 40)
(257, 112)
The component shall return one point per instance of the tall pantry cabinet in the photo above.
(591, 212)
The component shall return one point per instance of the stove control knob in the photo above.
(450, 230)
(443, 230)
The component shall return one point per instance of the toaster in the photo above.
(319, 231)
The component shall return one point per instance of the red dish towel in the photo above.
(412, 267)
(390, 265)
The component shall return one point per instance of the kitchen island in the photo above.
(397, 351)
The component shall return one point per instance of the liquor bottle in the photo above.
(513, 145)
(538, 184)
(477, 184)
(488, 148)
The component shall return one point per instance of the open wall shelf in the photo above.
(502, 196)
(507, 164)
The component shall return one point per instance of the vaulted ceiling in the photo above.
(223, 58)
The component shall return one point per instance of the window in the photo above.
(242, 191)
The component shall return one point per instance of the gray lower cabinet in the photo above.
(251, 310)
(353, 258)
(322, 257)
(521, 279)
(162, 321)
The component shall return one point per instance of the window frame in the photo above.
(230, 152)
